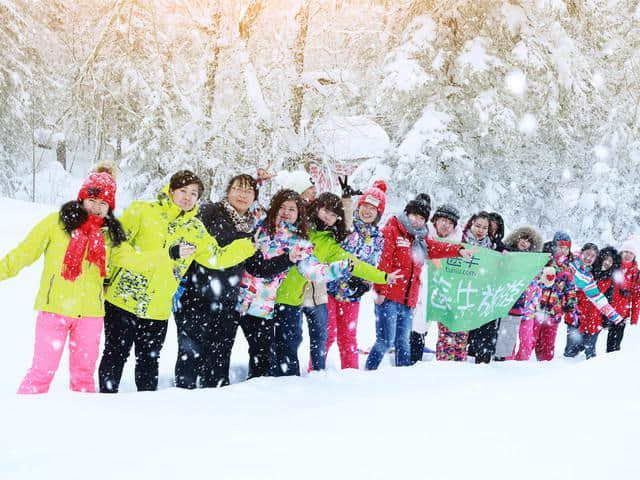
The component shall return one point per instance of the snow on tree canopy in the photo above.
(350, 138)
(469, 94)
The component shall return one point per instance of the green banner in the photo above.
(464, 294)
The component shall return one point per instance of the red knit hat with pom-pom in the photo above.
(376, 196)
(99, 185)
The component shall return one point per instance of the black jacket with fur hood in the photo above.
(535, 239)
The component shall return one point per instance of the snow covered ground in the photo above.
(568, 419)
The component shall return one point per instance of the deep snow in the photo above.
(568, 419)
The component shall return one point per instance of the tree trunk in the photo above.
(249, 19)
(33, 152)
(61, 153)
(214, 35)
(212, 67)
(298, 57)
(119, 134)
(100, 134)
(254, 89)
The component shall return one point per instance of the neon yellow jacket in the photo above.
(82, 297)
(327, 250)
(161, 224)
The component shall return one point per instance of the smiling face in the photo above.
(524, 244)
(480, 228)
(589, 256)
(607, 263)
(444, 226)
(241, 195)
(288, 212)
(562, 251)
(186, 197)
(95, 206)
(416, 221)
(309, 195)
(367, 213)
(493, 227)
(327, 217)
(627, 256)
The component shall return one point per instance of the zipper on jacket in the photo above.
(50, 288)
(313, 294)
(406, 293)
(112, 278)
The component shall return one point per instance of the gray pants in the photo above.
(507, 336)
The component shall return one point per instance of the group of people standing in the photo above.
(217, 266)
(590, 290)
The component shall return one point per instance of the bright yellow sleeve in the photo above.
(30, 249)
(130, 220)
(126, 256)
(211, 255)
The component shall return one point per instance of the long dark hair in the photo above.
(598, 273)
(276, 202)
(73, 215)
(483, 214)
(333, 203)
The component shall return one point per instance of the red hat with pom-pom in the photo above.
(99, 185)
(376, 196)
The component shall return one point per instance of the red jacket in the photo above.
(396, 255)
(590, 316)
(626, 295)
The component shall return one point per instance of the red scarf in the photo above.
(87, 234)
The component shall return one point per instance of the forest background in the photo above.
(527, 107)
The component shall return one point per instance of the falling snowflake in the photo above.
(528, 124)
(516, 82)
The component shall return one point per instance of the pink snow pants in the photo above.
(538, 336)
(51, 335)
(343, 324)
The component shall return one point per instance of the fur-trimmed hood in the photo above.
(511, 242)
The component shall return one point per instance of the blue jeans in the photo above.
(317, 318)
(288, 337)
(393, 328)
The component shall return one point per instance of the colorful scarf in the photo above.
(585, 282)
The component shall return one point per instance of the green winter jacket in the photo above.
(82, 297)
(162, 224)
(327, 250)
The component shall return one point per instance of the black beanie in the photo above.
(446, 211)
(421, 205)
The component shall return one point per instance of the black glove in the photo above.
(347, 191)
(249, 235)
(359, 287)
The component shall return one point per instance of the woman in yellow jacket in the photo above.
(80, 243)
(138, 303)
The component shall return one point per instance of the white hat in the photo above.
(630, 245)
(298, 180)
